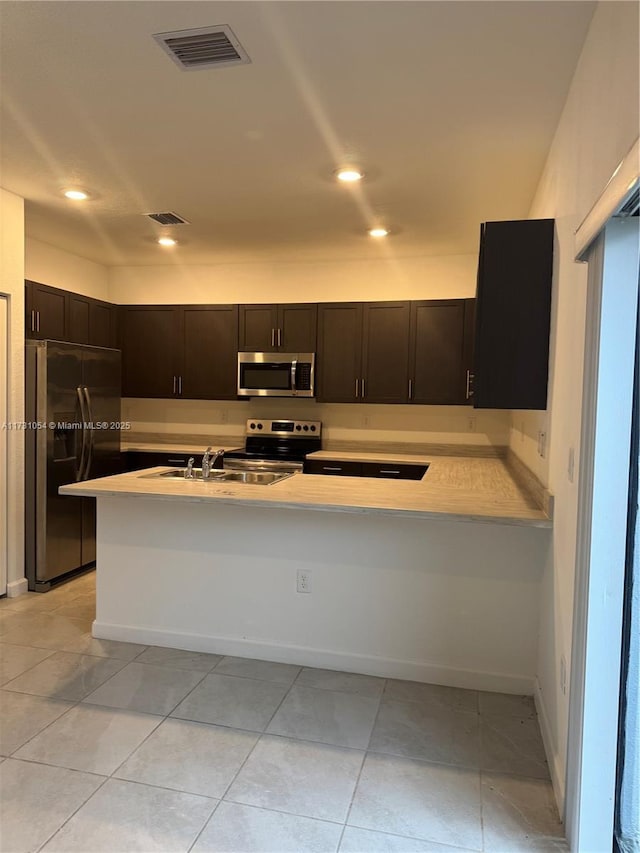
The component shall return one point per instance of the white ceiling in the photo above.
(449, 107)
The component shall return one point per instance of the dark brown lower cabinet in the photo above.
(379, 470)
(138, 460)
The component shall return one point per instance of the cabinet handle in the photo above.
(357, 383)
(37, 321)
(33, 321)
(330, 468)
(273, 337)
(385, 471)
(469, 389)
(363, 391)
(279, 337)
(175, 382)
(180, 385)
(410, 389)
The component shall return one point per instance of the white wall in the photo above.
(12, 285)
(322, 280)
(50, 265)
(399, 597)
(597, 128)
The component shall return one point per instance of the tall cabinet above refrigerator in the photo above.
(73, 411)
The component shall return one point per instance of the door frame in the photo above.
(4, 457)
(611, 247)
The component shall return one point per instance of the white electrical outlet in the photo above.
(571, 464)
(365, 420)
(521, 430)
(303, 580)
(224, 416)
(563, 674)
(471, 423)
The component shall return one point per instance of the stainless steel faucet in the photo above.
(209, 461)
(188, 473)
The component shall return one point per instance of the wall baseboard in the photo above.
(323, 658)
(554, 760)
(16, 588)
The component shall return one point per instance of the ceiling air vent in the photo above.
(202, 48)
(167, 218)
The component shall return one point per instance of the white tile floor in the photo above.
(116, 747)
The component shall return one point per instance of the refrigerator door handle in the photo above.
(89, 433)
(83, 449)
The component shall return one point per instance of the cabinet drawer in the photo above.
(392, 471)
(332, 466)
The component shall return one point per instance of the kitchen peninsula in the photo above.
(433, 580)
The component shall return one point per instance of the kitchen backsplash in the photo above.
(341, 422)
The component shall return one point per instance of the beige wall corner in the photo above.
(12, 285)
(50, 265)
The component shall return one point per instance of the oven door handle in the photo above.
(294, 368)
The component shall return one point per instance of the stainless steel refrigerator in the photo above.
(72, 409)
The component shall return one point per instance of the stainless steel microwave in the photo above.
(276, 374)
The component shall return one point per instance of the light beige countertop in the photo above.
(454, 489)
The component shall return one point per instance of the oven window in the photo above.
(276, 377)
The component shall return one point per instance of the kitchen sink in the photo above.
(256, 478)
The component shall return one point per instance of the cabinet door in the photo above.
(46, 312)
(79, 311)
(296, 328)
(385, 352)
(102, 324)
(438, 367)
(513, 314)
(258, 328)
(148, 337)
(339, 359)
(209, 362)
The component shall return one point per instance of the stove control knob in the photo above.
(313, 427)
(252, 426)
(298, 427)
(259, 426)
(305, 427)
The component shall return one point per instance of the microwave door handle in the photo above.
(294, 367)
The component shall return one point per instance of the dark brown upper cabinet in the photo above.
(441, 347)
(277, 328)
(513, 313)
(208, 352)
(339, 357)
(60, 315)
(149, 343)
(92, 321)
(385, 352)
(46, 312)
(363, 352)
(186, 351)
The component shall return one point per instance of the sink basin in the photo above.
(256, 478)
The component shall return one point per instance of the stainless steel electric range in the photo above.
(279, 445)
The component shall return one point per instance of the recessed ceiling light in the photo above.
(76, 195)
(378, 232)
(349, 176)
(167, 241)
